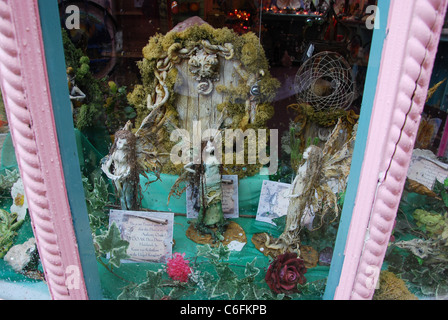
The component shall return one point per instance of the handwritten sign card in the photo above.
(273, 201)
(150, 234)
(425, 168)
(230, 205)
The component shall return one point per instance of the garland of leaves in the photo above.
(8, 221)
(221, 283)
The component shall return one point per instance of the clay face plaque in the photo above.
(230, 206)
(150, 234)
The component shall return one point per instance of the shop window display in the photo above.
(215, 146)
(199, 84)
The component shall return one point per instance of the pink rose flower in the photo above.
(178, 268)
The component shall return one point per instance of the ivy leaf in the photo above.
(227, 283)
(442, 291)
(130, 112)
(117, 255)
(207, 252)
(100, 189)
(420, 260)
(251, 271)
(95, 222)
(204, 250)
(128, 293)
(111, 239)
(445, 198)
(252, 292)
(249, 292)
(439, 188)
(8, 179)
(181, 289)
(341, 199)
(111, 242)
(207, 283)
(150, 289)
(223, 252)
(214, 254)
(97, 197)
(312, 289)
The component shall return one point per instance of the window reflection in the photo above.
(137, 71)
(415, 263)
(21, 273)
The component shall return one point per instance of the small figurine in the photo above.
(206, 181)
(76, 94)
(210, 213)
(120, 167)
(130, 155)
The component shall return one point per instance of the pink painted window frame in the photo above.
(406, 67)
(26, 92)
(407, 62)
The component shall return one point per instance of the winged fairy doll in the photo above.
(313, 199)
(132, 155)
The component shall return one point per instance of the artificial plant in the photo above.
(106, 105)
(419, 252)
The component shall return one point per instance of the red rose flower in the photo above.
(285, 273)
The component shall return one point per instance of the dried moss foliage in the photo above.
(392, 288)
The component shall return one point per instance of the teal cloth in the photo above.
(88, 154)
(155, 196)
(8, 156)
(113, 284)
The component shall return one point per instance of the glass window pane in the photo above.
(215, 140)
(21, 273)
(415, 266)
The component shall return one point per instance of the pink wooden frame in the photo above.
(408, 56)
(24, 83)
